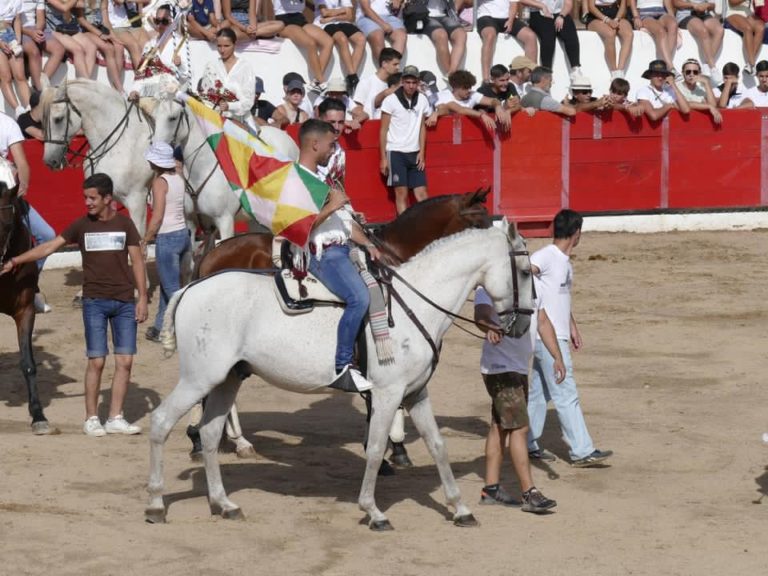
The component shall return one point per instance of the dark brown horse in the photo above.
(402, 238)
(17, 294)
(398, 241)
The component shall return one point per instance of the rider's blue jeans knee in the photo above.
(41, 231)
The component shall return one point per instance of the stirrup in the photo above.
(350, 380)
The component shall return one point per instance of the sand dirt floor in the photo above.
(672, 378)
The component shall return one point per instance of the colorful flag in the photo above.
(272, 188)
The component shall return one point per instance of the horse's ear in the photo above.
(45, 82)
(482, 194)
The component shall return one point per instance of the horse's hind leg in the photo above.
(218, 405)
(424, 420)
(243, 448)
(164, 418)
(25, 324)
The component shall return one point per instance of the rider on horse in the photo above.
(329, 251)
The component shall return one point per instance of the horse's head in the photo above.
(8, 205)
(61, 121)
(171, 122)
(472, 212)
(509, 282)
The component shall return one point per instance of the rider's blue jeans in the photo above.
(337, 272)
(40, 230)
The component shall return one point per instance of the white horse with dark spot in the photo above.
(231, 323)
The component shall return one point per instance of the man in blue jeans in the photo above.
(329, 253)
(106, 239)
(553, 275)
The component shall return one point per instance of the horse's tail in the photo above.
(168, 333)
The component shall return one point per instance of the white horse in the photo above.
(213, 195)
(231, 323)
(116, 137)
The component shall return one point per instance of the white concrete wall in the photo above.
(271, 67)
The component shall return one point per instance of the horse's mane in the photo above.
(414, 212)
(441, 243)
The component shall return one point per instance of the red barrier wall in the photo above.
(592, 164)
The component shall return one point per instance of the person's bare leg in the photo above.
(397, 39)
(93, 371)
(530, 42)
(488, 46)
(625, 37)
(324, 48)
(307, 45)
(494, 454)
(358, 51)
(420, 193)
(376, 40)
(401, 198)
(440, 40)
(123, 364)
(458, 48)
(34, 60)
(56, 54)
(345, 54)
(518, 451)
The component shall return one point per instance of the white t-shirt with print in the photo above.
(446, 97)
(553, 287)
(331, 5)
(10, 134)
(758, 98)
(405, 125)
(656, 98)
(509, 355)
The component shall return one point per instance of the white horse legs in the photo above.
(243, 448)
(165, 416)
(218, 405)
(424, 420)
(378, 436)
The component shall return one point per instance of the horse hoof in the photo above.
(154, 516)
(466, 521)
(380, 526)
(234, 514)
(42, 428)
(402, 460)
(246, 452)
(385, 469)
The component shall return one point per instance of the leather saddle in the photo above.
(298, 291)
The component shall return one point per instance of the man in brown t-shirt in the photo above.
(106, 239)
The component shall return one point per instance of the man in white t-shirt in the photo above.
(461, 99)
(757, 96)
(662, 94)
(553, 275)
(364, 107)
(504, 366)
(402, 139)
(11, 141)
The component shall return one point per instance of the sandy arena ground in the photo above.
(671, 378)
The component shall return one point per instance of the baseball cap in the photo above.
(292, 76)
(259, 84)
(520, 62)
(294, 85)
(429, 79)
(410, 72)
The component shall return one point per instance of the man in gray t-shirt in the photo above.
(538, 96)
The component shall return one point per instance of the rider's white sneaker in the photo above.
(349, 379)
(119, 425)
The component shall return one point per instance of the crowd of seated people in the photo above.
(40, 36)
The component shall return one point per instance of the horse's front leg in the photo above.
(384, 404)
(25, 324)
(424, 420)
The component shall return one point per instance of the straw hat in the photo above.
(580, 83)
(520, 62)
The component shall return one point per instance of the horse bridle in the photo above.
(96, 153)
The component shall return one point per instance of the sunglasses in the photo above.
(582, 91)
(694, 72)
(163, 21)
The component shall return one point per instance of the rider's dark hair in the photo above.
(314, 127)
(101, 182)
(567, 223)
(227, 33)
(330, 104)
(389, 54)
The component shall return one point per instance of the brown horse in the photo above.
(17, 294)
(399, 240)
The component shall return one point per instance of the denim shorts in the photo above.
(367, 25)
(121, 316)
(7, 35)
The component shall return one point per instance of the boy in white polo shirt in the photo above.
(402, 139)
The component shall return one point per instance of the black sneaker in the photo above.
(500, 496)
(152, 334)
(597, 457)
(352, 81)
(535, 502)
(542, 455)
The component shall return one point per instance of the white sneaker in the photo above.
(715, 77)
(576, 72)
(20, 110)
(617, 74)
(119, 425)
(361, 382)
(93, 427)
(41, 306)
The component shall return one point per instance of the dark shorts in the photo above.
(607, 11)
(509, 396)
(403, 170)
(498, 24)
(346, 28)
(447, 23)
(655, 13)
(685, 21)
(294, 19)
(121, 316)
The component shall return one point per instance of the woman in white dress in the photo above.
(227, 83)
